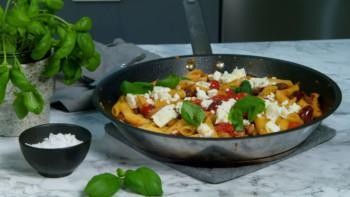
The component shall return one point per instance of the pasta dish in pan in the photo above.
(221, 104)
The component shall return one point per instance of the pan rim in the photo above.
(333, 108)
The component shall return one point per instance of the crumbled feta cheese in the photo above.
(203, 84)
(212, 92)
(188, 98)
(289, 110)
(259, 82)
(205, 131)
(148, 99)
(246, 122)
(272, 127)
(161, 93)
(223, 110)
(164, 115)
(273, 110)
(178, 107)
(131, 100)
(206, 103)
(201, 94)
(285, 102)
(236, 74)
(216, 75)
(176, 97)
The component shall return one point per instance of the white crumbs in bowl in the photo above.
(57, 141)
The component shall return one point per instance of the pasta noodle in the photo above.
(161, 109)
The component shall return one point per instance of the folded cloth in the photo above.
(78, 96)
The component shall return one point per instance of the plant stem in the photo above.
(6, 9)
(4, 48)
(56, 17)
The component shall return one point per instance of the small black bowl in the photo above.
(58, 162)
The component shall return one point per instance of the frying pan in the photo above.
(214, 151)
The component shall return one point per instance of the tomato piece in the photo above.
(240, 95)
(214, 105)
(229, 93)
(214, 84)
(219, 97)
(293, 125)
(145, 110)
(225, 128)
(197, 101)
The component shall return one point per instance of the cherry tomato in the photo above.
(145, 110)
(240, 95)
(225, 128)
(214, 84)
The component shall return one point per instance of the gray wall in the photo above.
(260, 20)
(140, 21)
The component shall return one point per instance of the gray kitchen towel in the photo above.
(219, 175)
(113, 56)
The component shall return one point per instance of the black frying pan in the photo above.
(218, 151)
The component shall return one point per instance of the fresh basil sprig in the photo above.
(143, 180)
(192, 113)
(170, 81)
(244, 87)
(250, 105)
(135, 87)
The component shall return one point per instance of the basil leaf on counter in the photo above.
(244, 87)
(250, 105)
(105, 184)
(192, 113)
(143, 181)
(135, 87)
(170, 81)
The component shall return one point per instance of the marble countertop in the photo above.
(321, 171)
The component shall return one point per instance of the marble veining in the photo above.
(321, 171)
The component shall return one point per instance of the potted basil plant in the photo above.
(35, 46)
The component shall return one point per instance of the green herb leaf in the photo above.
(42, 47)
(103, 185)
(19, 80)
(36, 28)
(250, 105)
(52, 68)
(83, 25)
(4, 79)
(19, 107)
(71, 70)
(17, 17)
(135, 87)
(236, 118)
(143, 181)
(170, 81)
(54, 4)
(33, 9)
(244, 87)
(67, 45)
(86, 45)
(192, 113)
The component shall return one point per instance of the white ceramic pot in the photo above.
(10, 125)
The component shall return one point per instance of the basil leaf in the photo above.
(250, 105)
(103, 185)
(4, 79)
(143, 181)
(19, 107)
(135, 87)
(244, 87)
(18, 17)
(31, 102)
(236, 118)
(192, 113)
(170, 81)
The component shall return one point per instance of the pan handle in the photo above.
(195, 23)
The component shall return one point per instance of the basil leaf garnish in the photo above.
(244, 87)
(192, 113)
(143, 181)
(170, 81)
(105, 184)
(135, 87)
(250, 105)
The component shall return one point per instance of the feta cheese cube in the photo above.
(259, 82)
(246, 122)
(212, 92)
(205, 131)
(272, 127)
(273, 110)
(223, 110)
(236, 74)
(131, 100)
(293, 108)
(178, 107)
(161, 93)
(206, 103)
(203, 84)
(164, 115)
(201, 94)
(216, 75)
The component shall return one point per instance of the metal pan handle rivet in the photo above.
(219, 65)
(190, 65)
